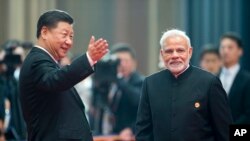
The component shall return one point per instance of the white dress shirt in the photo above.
(228, 75)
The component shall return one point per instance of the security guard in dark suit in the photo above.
(235, 79)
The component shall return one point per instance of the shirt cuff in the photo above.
(91, 62)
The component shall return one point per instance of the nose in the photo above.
(69, 41)
(122, 62)
(225, 51)
(175, 55)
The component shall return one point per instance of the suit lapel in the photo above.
(75, 94)
(78, 99)
(233, 89)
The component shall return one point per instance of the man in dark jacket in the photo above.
(182, 102)
(235, 79)
(52, 108)
(125, 102)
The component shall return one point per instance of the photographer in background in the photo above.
(12, 56)
(116, 93)
(124, 95)
(1, 107)
(126, 98)
(2, 112)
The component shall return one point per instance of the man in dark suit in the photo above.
(129, 83)
(235, 79)
(118, 115)
(210, 59)
(182, 102)
(51, 106)
(2, 110)
(2, 107)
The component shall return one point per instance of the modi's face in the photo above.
(176, 54)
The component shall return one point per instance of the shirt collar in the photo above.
(232, 70)
(47, 52)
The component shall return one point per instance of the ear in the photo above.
(161, 52)
(240, 52)
(44, 32)
(135, 64)
(190, 52)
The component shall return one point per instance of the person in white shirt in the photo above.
(235, 80)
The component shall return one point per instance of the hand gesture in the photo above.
(97, 49)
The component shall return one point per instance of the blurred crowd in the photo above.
(111, 95)
(12, 54)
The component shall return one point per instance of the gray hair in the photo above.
(173, 33)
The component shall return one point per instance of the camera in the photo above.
(106, 70)
(10, 59)
(105, 74)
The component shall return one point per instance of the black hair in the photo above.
(122, 47)
(209, 50)
(234, 37)
(51, 18)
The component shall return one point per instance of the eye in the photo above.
(230, 47)
(168, 51)
(64, 35)
(181, 50)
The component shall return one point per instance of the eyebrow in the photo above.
(67, 31)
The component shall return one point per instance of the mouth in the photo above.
(65, 49)
(175, 64)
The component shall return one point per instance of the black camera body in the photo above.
(106, 70)
(105, 74)
(10, 59)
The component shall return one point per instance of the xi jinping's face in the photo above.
(59, 39)
(176, 54)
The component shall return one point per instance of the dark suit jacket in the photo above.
(239, 98)
(127, 104)
(2, 108)
(51, 106)
(16, 129)
(192, 107)
(9, 90)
